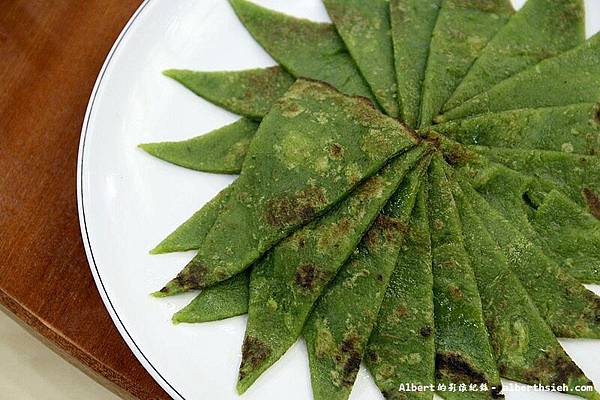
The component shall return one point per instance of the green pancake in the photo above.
(526, 350)
(191, 234)
(566, 305)
(515, 196)
(322, 145)
(304, 48)
(572, 77)
(401, 349)
(463, 351)
(365, 29)
(288, 281)
(567, 229)
(412, 24)
(220, 151)
(224, 300)
(250, 93)
(576, 175)
(540, 30)
(462, 30)
(570, 129)
(339, 326)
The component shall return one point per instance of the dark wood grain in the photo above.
(50, 55)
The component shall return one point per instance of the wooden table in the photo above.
(50, 55)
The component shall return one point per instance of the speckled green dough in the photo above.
(304, 48)
(401, 348)
(365, 29)
(575, 175)
(566, 305)
(462, 30)
(514, 196)
(250, 93)
(322, 145)
(338, 329)
(567, 229)
(191, 234)
(525, 347)
(569, 129)
(572, 77)
(224, 300)
(288, 281)
(220, 151)
(540, 30)
(412, 24)
(463, 351)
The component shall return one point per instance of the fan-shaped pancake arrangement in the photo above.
(418, 191)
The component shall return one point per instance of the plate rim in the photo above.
(136, 350)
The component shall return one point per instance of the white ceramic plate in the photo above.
(128, 201)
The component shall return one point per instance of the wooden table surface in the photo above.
(50, 55)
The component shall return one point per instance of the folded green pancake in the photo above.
(339, 326)
(569, 129)
(401, 349)
(569, 308)
(286, 283)
(462, 30)
(306, 49)
(250, 93)
(220, 151)
(365, 29)
(526, 350)
(540, 29)
(412, 24)
(463, 352)
(572, 77)
(321, 144)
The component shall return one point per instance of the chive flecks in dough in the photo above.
(224, 300)
(249, 93)
(289, 280)
(401, 349)
(304, 48)
(566, 305)
(462, 30)
(220, 151)
(365, 29)
(572, 77)
(191, 234)
(540, 30)
(526, 350)
(412, 23)
(570, 129)
(463, 351)
(339, 326)
(322, 145)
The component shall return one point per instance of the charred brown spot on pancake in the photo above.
(351, 357)
(457, 155)
(401, 311)
(254, 352)
(553, 367)
(296, 209)
(426, 331)
(336, 151)
(385, 228)
(192, 277)
(455, 292)
(457, 369)
(373, 356)
(593, 202)
(307, 276)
